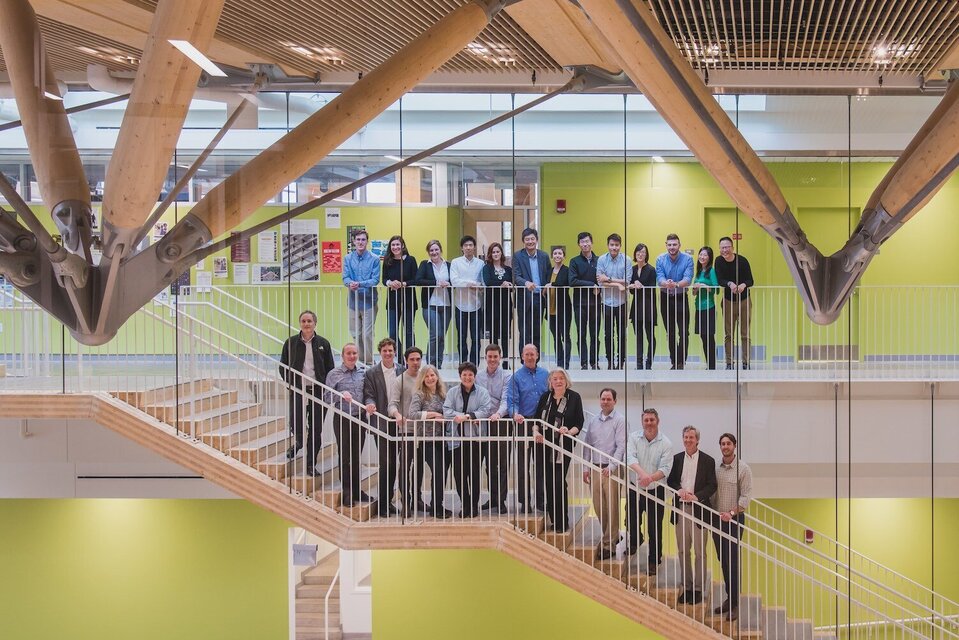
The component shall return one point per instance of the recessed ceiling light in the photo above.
(198, 58)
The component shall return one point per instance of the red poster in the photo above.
(332, 257)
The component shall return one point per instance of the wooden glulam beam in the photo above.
(237, 197)
(656, 66)
(158, 106)
(53, 149)
(564, 32)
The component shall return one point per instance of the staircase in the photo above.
(316, 594)
(225, 420)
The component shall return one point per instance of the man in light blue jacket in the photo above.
(361, 274)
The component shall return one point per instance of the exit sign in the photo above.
(737, 236)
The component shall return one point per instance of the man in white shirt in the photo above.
(466, 277)
(693, 477)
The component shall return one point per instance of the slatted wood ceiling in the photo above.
(889, 36)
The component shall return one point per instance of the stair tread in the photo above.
(239, 427)
(219, 411)
(187, 399)
(263, 441)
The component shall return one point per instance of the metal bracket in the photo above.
(74, 221)
(22, 268)
(594, 77)
(185, 237)
(14, 236)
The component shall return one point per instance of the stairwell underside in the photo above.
(340, 530)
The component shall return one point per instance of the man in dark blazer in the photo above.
(693, 477)
(531, 270)
(377, 382)
(302, 368)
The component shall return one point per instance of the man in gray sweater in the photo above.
(468, 406)
(495, 380)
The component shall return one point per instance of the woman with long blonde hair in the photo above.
(427, 407)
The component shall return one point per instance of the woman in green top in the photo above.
(706, 287)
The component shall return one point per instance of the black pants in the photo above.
(349, 435)
(466, 472)
(645, 325)
(559, 325)
(468, 327)
(638, 502)
(530, 312)
(675, 310)
(387, 451)
(728, 552)
(437, 457)
(524, 451)
(411, 473)
(402, 335)
(614, 319)
(496, 457)
(315, 414)
(587, 330)
(555, 468)
(500, 322)
(706, 328)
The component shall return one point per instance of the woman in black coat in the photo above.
(560, 309)
(399, 276)
(498, 279)
(562, 409)
(642, 312)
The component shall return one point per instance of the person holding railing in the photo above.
(611, 274)
(498, 278)
(433, 278)
(466, 277)
(527, 385)
(559, 310)
(649, 454)
(410, 453)
(361, 274)
(693, 477)
(735, 276)
(377, 382)
(734, 490)
(642, 313)
(582, 276)
(706, 287)
(561, 409)
(345, 390)
(495, 453)
(305, 361)
(467, 405)
(530, 273)
(605, 433)
(674, 272)
(426, 407)
(399, 276)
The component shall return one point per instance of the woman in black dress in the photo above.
(399, 274)
(561, 409)
(498, 279)
(642, 312)
(560, 309)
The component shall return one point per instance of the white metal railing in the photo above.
(326, 604)
(900, 332)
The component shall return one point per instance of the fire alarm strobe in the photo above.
(561, 206)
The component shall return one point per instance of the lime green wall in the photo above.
(119, 569)
(482, 594)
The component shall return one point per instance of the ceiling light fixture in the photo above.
(198, 58)
(52, 96)
(658, 159)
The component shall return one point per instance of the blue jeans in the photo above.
(395, 317)
(437, 321)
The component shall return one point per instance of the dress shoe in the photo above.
(316, 473)
(594, 366)
(603, 554)
(364, 497)
(729, 367)
(291, 452)
(390, 510)
(651, 570)
(442, 514)
(733, 614)
(421, 506)
(500, 509)
(723, 608)
(745, 365)
(486, 506)
(683, 597)
(631, 551)
(649, 365)
(584, 367)
(696, 597)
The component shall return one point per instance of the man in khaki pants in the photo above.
(736, 278)
(605, 440)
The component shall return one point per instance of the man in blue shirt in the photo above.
(649, 455)
(526, 386)
(674, 273)
(612, 273)
(361, 274)
(531, 271)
